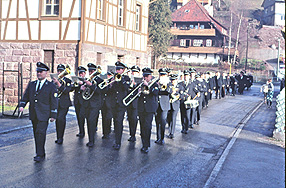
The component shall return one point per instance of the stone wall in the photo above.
(11, 54)
(109, 56)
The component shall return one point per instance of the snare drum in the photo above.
(191, 104)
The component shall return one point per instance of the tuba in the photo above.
(115, 78)
(67, 71)
(87, 93)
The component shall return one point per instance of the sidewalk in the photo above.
(256, 159)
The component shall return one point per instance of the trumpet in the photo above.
(87, 93)
(163, 87)
(136, 92)
(67, 71)
(115, 78)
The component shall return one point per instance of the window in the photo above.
(282, 17)
(100, 9)
(196, 27)
(183, 42)
(202, 26)
(51, 8)
(272, 8)
(120, 12)
(98, 58)
(138, 13)
(198, 42)
(49, 59)
(191, 26)
(209, 42)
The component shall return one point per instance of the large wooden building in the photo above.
(199, 37)
(74, 32)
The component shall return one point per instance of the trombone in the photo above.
(136, 92)
(87, 94)
(115, 78)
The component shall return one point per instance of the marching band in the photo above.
(141, 98)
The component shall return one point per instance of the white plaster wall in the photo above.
(77, 8)
(2, 29)
(50, 30)
(110, 36)
(73, 30)
(33, 8)
(100, 33)
(23, 33)
(11, 31)
(120, 38)
(34, 25)
(194, 59)
(67, 4)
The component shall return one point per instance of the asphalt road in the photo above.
(185, 161)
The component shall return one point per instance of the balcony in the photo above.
(205, 50)
(193, 32)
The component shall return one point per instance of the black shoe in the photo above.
(171, 136)
(191, 126)
(198, 122)
(39, 158)
(80, 135)
(116, 146)
(144, 149)
(132, 139)
(158, 140)
(59, 141)
(183, 131)
(90, 144)
(105, 137)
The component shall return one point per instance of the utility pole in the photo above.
(278, 59)
(237, 37)
(229, 39)
(246, 56)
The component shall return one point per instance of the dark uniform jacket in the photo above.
(191, 90)
(233, 81)
(42, 105)
(163, 98)
(179, 91)
(149, 103)
(119, 91)
(218, 81)
(65, 89)
(212, 83)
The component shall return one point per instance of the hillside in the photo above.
(259, 37)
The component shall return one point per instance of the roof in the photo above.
(270, 2)
(193, 11)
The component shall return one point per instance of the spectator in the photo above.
(270, 93)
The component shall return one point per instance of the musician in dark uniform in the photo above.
(218, 85)
(223, 88)
(185, 113)
(201, 88)
(233, 85)
(77, 102)
(175, 97)
(209, 88)
(90, 106)
(212, 84)
(227, 85)
(42, 96)
(132, 109)
(147, 106)
(163, 105)
(119, 90)
(106, 110)
(64, 87)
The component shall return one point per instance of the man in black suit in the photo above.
(77, 102)
(176, 95)
(132, 109)
(147, 106)
(106, 110)
(64, 87)
(218, 85)
(90, 106)
(42, 96)
(118, 91)
(241, 82)
(164, 105)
